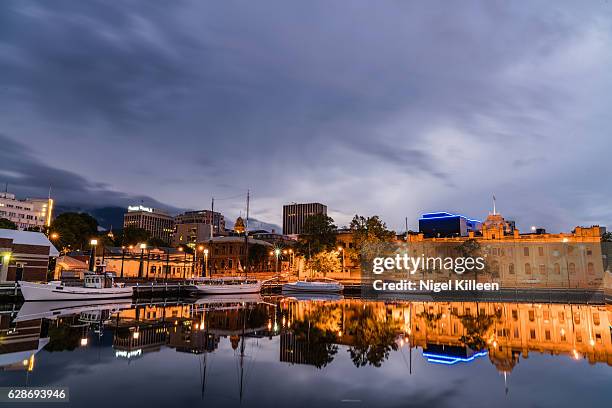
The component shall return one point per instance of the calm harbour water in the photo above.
(276, 351)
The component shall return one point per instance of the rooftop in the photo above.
(29, 238)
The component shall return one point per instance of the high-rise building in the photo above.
(295, 214)
(195, 226)
(202, 217)
(159, 223)
(28, 213)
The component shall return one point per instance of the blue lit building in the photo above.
(445, 224)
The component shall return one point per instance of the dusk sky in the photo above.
(371, 107)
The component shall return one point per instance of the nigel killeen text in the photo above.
(412, 264)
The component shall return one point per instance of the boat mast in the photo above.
(246, 238)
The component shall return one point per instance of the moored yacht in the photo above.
(93, 287)
(227, 285)
(322, 285)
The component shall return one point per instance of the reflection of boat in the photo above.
(315, 296)
(227, 285)
(230, 298)
(93, 288)
(55, 309)
(323, 285)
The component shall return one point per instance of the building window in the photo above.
(542, 269)
(511, 269)
(526, 251)
(528, 268)
(541, 251)
(572, 267)
(590, 268)
(557, 269)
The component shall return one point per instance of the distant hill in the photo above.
(113, 217)
(106, 216)
(255, 224)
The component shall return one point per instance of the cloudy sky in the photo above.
(388, 107)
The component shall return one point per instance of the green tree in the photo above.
(367, 231)
(471, 248)
(131, 235)
(606, 237)
(7, 224)
(74, 229)
(157, 242)
(324, 262)
(319, 234)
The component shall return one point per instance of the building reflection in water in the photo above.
(315, 332)
(447, 331)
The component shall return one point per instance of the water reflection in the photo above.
(307, 333)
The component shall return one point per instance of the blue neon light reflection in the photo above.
(450, 360)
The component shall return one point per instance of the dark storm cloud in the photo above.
(29, 176)
(318, 101)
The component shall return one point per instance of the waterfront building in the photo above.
(25, 255)
(533, 260)
(159, 223)
(28, 213)
(295, 214)
(226, 255)
(445, 224)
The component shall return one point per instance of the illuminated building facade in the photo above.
(546, 260)
(195, 226)
(28, 213)
(24, 255)
(157, 222)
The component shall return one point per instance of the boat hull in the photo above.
(42, 291)
(211, 289)
(310, 287)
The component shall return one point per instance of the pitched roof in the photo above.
(29, 238)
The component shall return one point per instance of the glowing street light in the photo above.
(92, 255)
(205, 261)
(142, 246)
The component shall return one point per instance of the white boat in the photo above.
(93, 288)
(227, 285)
(324, 285)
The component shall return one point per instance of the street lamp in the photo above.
(54, 236)
(92, 254)
(201, 249)
(342, 252)
(205, 262)
(181, 249)
(277, 252)
(140, 265)
(122, 259)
